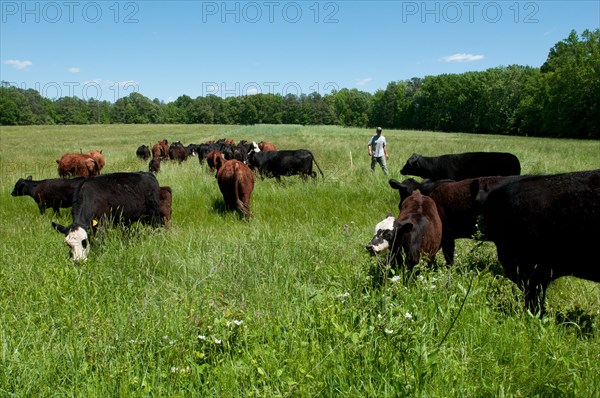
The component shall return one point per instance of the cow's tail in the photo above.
(242, 207)
(316, 164)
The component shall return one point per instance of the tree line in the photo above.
(559, 99)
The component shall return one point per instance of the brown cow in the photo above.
(266, 146)
(212, 157)
(79, 164)
(415, 234)
(455, 204)
(161, 149)
(166, 200)
(154, 165)
(98, 158)
(236, 182)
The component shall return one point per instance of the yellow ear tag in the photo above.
(94, 223)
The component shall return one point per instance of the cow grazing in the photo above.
(122, 197)
(462, 165)
(161, 149)
(212, 158)
(415, 234)
(143, 152)
(455, 204)
(544, 227)
(284, 163)
(178, 152)
(56, 193)
(98, 158)
(166, 201)
(236, 183)
(154, 165)
(266, 146)
(81, 164)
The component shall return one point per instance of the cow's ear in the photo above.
(29, 178)
(389, 214)
(403, 227)
(395, 184)
(59, 228)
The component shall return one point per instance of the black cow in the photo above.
(461, 166)
(56, 193)
(455, 203)
(178, 152)
(121, 197)
(143, 152)
(545, 227)
(284, 163)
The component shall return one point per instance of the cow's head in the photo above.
(384, 235)
(19, 189)
(77, 239)
(388, 234)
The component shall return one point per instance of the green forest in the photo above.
(559, 99)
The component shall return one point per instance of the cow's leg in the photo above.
(448, 250)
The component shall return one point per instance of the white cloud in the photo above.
(362, 82)
(73, 70)
(462, 58)
(18, 64)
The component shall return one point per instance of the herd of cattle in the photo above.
(543, 226)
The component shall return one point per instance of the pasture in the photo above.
(286, 304)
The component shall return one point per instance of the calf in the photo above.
(544, 227)
(56, 193)
(284, 163)
(236, 183)
(166, 201)
(415, 234)
(455, 203)
(154, 165)
(121, 197)
(462, 165)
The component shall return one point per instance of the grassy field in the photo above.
(287, 304)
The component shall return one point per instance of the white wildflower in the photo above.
(389, 331)
(395, 278)
(408, 315)
(217, 341)
(237, 323)
(201, 337)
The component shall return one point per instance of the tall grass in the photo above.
(286, 304)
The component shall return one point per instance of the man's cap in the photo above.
(378, 129)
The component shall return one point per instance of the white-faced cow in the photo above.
(461, 166)
(56, 193)
(119, 197)
(545, 227)
(284, 163)
(415, 234)
(455, 203)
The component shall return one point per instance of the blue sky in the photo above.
(164, 49)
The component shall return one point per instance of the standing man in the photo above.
(378, 151)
